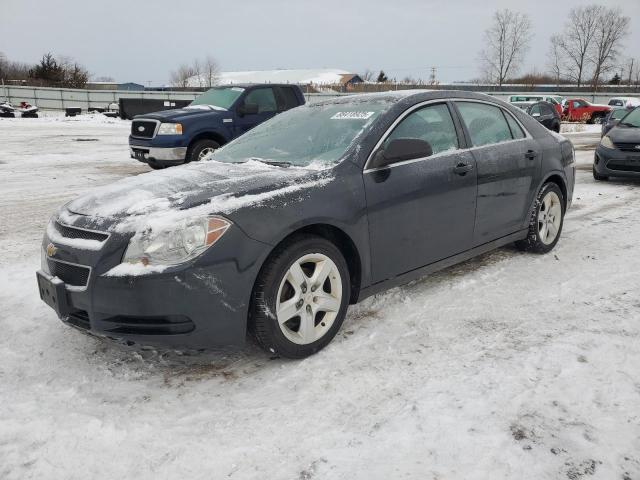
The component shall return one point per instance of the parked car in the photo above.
(612, 119)
(172, 137)
(322, 206)
(555, 100)
(579, 110)
(627, 102)
(618, 154)
(546, 114)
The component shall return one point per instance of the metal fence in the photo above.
(62, 98)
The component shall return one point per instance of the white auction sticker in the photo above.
(352, 115)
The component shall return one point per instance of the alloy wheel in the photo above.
(549, 218)
(204, 152)
(309, 298)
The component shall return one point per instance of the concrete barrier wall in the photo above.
(61, 98)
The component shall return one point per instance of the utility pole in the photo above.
(433, 77)
(630, 71)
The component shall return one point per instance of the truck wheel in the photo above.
(200, 149)
(556, 127)
(546, 221)
(300, 297)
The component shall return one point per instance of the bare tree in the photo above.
(181, 76)
(368, 75)
(611, 29)
(576, 43)
(555, 58)
(209, 71)
(506, 42)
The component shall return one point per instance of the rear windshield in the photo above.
(219, 97)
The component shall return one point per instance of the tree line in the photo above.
(51, 71)
(587, 52)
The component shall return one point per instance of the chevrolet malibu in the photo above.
(320, 207)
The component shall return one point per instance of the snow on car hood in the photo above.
(160, 199)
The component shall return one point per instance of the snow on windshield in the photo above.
(319, 133)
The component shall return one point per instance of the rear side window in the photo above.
(486, 124)
(516, 129)
(432, 124)
(264, 98)
(288, 98)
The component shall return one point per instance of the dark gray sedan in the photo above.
(618, 154)
(318, 208)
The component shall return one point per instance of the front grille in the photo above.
(170, 325)
(623, 166)
(628, 146)
(143, 128)
(73, 275)
(79, 319)
(72, 232)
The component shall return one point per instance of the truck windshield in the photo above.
(311, 134)
(219, 97)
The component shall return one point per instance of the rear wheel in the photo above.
(201, 149)
(597, 176)
(300, 298)
(546, 220)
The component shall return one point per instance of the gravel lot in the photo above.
(508, 366)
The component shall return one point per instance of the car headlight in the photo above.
(170, 129)
(175, 245)
(606, 142)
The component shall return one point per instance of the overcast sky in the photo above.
(141, 41)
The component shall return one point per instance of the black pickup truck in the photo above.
(219, 115)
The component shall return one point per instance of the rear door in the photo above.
(265, 99)
(422, 210)
(508, 162)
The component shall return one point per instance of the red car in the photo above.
(579, 110)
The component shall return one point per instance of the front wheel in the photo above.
(300, 298)
(546, 220)
(597, 176)
(201, 149)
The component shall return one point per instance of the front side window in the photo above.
(578, 104)
(433, 124)
(264, 98)
(485, 123)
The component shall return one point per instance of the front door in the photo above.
(265, 100)
(421, 211)
(508, 163)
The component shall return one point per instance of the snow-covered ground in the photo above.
(508, 366)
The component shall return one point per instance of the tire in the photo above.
(547, 217)
(276, 297)
(556, 127)
(201, 148)
(157, 166)
(599, 177)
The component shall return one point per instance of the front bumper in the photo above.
(146, 154)
(616, 163)
(202, 304)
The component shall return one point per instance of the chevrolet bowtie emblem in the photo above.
(51, 250)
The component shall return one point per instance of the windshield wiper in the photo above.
(272, 162)
(627, 124)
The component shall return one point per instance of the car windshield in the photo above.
(618, 114)
(318, 134)
(632, 119)
(219, 97)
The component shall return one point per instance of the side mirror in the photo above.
(248, 109)
(400, 150)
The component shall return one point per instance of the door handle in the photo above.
(462, 168)
(531, 154)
